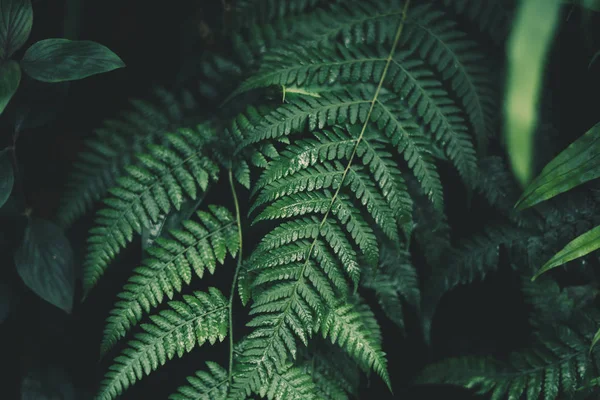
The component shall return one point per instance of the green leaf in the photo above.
(10, 77)
(578, 247)
(16, 19)
(577, 164)
(169, 221)
(529, 43)
(59, 60)
(44, 262)
(7, 177)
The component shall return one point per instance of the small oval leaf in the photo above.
(577, 164)
(7, 177)
(10, 77)
(59, 60)
(578, 247)
(44, 262)
(15, 25)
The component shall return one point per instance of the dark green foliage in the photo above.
(199, 318)
(354, 126)
(554, 368)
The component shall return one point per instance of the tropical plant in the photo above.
(313, 184)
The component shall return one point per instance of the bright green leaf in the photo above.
(577, 164)
(578, 247)
(59, 60)
(529, 43)
(10, 77)
(44, 262)
(7, 177)
(16, 19)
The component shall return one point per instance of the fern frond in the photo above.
(334, 373)
(165, 177)
(338, 108)
(554, 368)
(115, 145)
(188, 324)
(473, 260)
(395, 280)
(198, 246)
(493, 16)
(439, 42)
(353, 327)
(211, 385)
(289, 383)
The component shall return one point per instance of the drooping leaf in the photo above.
(45, 263)
(59, 60)
(7, 177)
(16, 19)
(529, 43)
(10, 77)
(578, 247)
(577, 164)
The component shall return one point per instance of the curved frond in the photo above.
(166, 176)
(493, 16)
(554, 368)
(115, 145)
(198, 246)
(174, 332)
(353, 327)
(395, 280)
(335, 375)
(211, 385)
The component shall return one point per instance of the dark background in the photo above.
(156, 40)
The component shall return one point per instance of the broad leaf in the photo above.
(45, 263)
(529, 43)
(10, 77)
(7, 177)
(577, 164)
(59, 60)
(16, 19)
(578, 247)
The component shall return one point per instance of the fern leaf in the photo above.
(492, 16)
(472, 261)
(199, 318)
(289, 383)
(114, 147)
(197, 247)
(338, 108)
(353, 327)
(166, 176)
(334, 373)
(394, 281)
(438, 41)
(554, 368)
(211, 385)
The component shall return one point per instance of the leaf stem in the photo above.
(235, 276)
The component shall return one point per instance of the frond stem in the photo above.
(235, 276)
